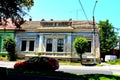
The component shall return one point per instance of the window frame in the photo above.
(89, 46)
(60, 44)
(27, 44)
(50, 43)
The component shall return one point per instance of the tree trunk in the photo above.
(81, 59)
(12, 56)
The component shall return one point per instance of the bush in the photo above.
(3, 56)
(9, 45)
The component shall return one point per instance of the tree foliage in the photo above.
(108, 37)
(80, 44)
(9, 44)
(15, 8)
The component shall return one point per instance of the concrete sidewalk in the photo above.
(105, 69)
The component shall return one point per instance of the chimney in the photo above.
(70, 19)
(43, 20)
(51, 19)
(30, 19)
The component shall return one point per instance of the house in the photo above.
(55, 37)
(7, 28)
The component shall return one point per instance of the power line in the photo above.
(84, 11)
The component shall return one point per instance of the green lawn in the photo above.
(114, 62)
(70, 63)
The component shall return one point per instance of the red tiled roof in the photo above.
(7, 24)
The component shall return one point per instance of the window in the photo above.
(43, 59)
(49, 45)
(47, 24)
(60, 43)
(31, 46)
(89, 46)
(34, 59)
(27, 45)
(23, 47)
(64, 24)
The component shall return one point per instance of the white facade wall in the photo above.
(40, 38)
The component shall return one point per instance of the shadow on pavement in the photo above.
(89, 64)
(11, 74)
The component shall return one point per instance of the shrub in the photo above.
(80, 44)
(9, 45)
(3, 56)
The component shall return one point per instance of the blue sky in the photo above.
(66, 9)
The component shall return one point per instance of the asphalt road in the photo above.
(106, 69)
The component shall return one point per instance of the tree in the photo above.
(80, 44)
(108, 37)
(9, 44)
(14, 8)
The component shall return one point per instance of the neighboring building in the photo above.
(116, 50)
(7, 28)
(55, 38)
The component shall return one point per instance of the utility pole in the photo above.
(94, 42)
